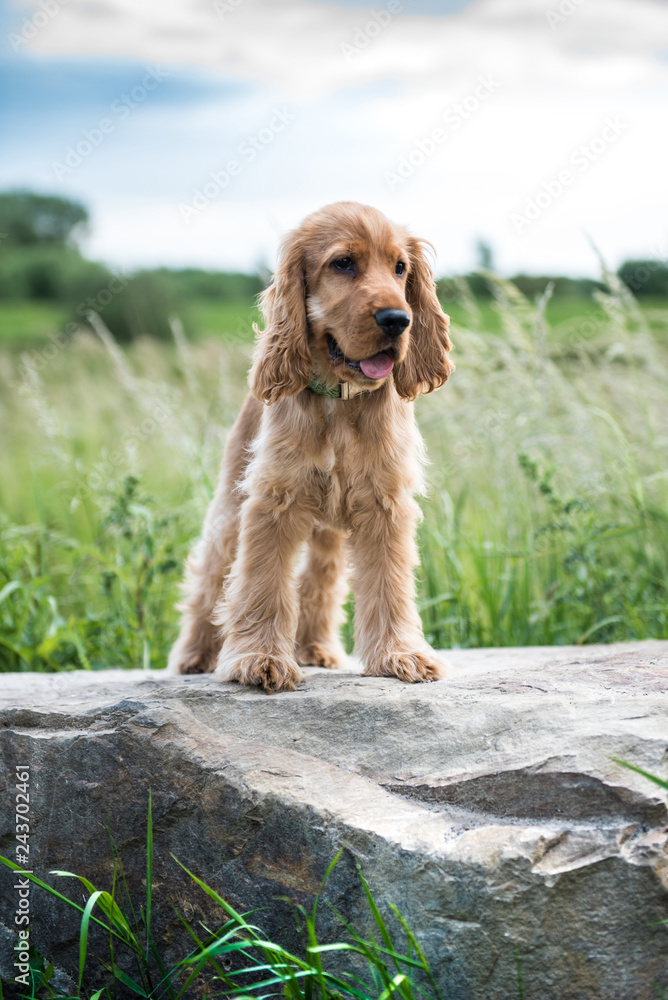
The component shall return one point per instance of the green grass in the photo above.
(231, 320)
(487, 316)
(546, 521)
(560, 314)
(238, 959)
(28, 323)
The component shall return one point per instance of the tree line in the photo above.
(41, 260)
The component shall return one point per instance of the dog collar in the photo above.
(344, 390)
(322, 389)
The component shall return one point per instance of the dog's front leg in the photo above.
(259, 613)
(388, 631)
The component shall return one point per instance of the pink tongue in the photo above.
(378, 366)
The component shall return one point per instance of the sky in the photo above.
(198, 131)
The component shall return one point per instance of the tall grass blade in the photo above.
(646, 774)
(385, 934)
(424, 964)
(108, 906)
(83, 934)
(58, 895)
(149, 871)
(126, 980)
(398, 981)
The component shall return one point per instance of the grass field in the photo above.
(28, 324)
(547, 519)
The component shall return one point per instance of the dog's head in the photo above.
(352, 300)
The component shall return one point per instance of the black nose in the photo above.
(393, 322)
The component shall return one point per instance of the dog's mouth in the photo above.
(378, 366)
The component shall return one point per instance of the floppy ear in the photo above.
(427, 365)
(282, 360)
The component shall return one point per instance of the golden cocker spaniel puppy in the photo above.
(325, 452)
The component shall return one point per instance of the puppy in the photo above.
(325, 453)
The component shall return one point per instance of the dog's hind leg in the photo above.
(322, 589)
(196, 649)
(208, 566)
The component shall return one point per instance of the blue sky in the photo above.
(455, 118)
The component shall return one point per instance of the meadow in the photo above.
(546, 520)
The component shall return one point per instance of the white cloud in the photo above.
(297, 45)
(357, 118)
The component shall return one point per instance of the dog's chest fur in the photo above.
(353, 459)
(338, 456)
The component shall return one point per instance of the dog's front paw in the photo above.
(412, 668)
(271, 673)
(319, 654)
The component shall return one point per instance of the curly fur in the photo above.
(339, 475)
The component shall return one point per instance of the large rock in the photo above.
(486, 807)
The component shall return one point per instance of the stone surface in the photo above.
(485, 806)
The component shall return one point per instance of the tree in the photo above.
(646, 277)
(485, 255)
(28, 219)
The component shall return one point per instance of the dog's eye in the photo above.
(344, 264)
(400, 268)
